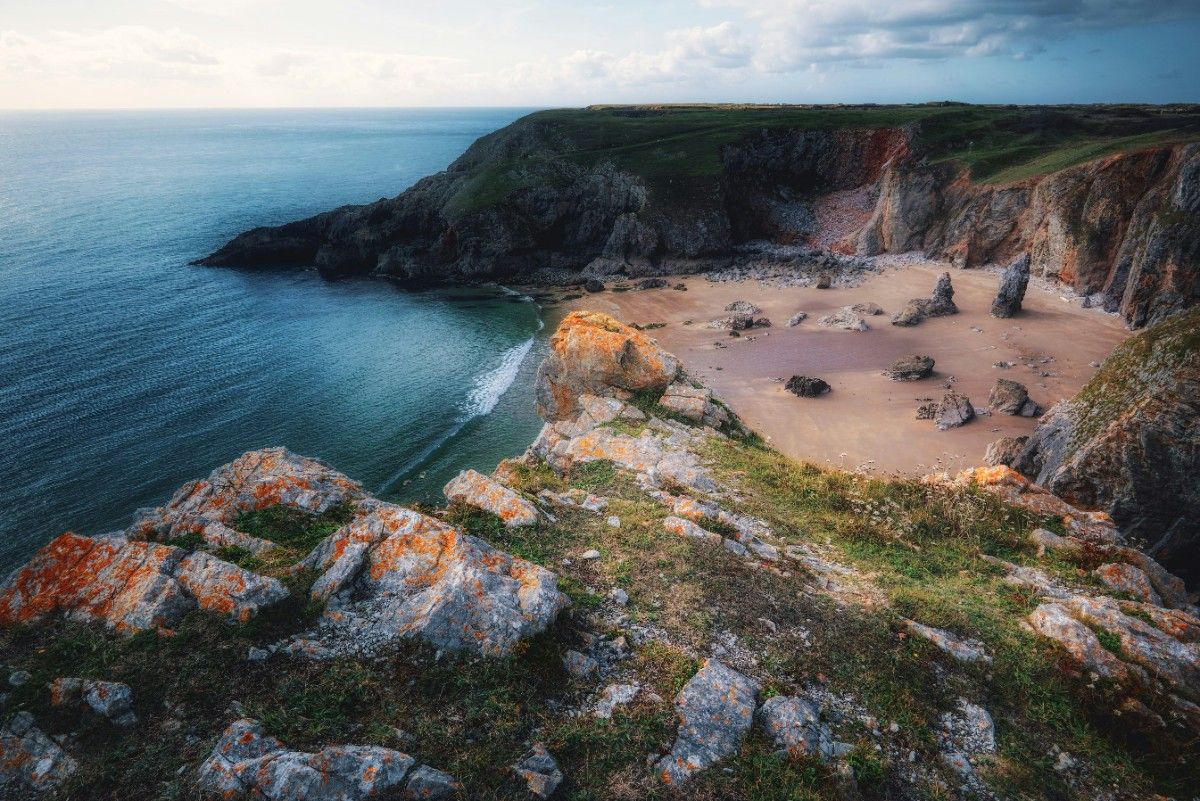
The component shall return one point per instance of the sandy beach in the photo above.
(869, 420)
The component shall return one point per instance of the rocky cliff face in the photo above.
(1129, 442)
(526, 203)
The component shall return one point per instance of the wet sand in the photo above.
(868, 420)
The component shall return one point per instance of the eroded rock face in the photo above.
(130, 585)
(592, 353)
(246, 763)
(1129, 442)
(1013, 282)
(475, 489)
(31, 764)
(392, 572)
(939, 305)
(715, 710)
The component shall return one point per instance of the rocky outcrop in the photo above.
(939, 304)
(591, 353)
(1129, 443)
(31, 764)
(247, 763)
(794, 725)
(846, 319)
(112, 699)
(715, 710)
(1013, 282)
(475, 489)
(695, 403)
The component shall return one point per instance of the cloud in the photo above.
(126, 48)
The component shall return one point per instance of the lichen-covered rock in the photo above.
(696, 404)
(806, 387)
(1004, 450)
(430, 784)
(690, 530)
(615, 695)
(475, 489)
(939, 305)
(539, 770)
(591, 352)
(31, 764)
(246, 763)
(1012, 287)
(955, 410)
(255, 480)
(1123, 577)
(715, 710)
(112, 699)
(130, 585)
(845, 318)
(964, 650)
(1129, 442)
(1011, 397)
(910, 368)
(392, 572)
(966, 734)
(794, 725)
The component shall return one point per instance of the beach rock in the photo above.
(796, 319)
(742, 307)
(539, 770)
(392, 573)
(1004, 451)
(715, 710)
(845, 319)
(824, 281)
(954, 410)
(476, 489)
(111, 699)
(130, 585)
(910, 368)
(939, 305)
(1012, 287)
(794, 725)
(806, 387)
(1011, 397)
(246, 763)
(927, 411)
(652, 283)
(31, 764)
(1129, 442)
(867, 309)
(593, 285)
(733, 323)
(592, 353)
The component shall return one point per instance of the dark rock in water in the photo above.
(652, 283)
(825, 281)
(806, 387)
(941, 304)
(910, 368)
(1012, 287)
(742, 307)
(1129, 443)
(593, 285)
(1004, 451)
(1011, 397)
(954, 410)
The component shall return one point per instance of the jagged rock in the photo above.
(246, 763)
(694, 403)
(1126, 578)
(476, 489)
(733, 323)
(392, 572)
(592, 353)
(131, 586)
(715, 710)
(955, 410)
(539, 770)
(686, 528)
(910, 368)
(430, 784)
(939, 305)
(796, 319)
(793, 723)
(593, 285)
(1129, 442)
(615, 695)
(966, 733)
(748, 531)
(845, 318)
(31, 764)
(1012, 287)
(111, 699)
(659, 455)
(742, 307)
(867, 309)
(964, 650)
(927, 411)
(255, 480)
(1011, 397)
(806, 387)
(824, 281)
(1004, 450)
(580, 667)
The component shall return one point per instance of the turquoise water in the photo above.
(124, 372)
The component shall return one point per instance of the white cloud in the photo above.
(157, 53)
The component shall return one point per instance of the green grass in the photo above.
(292, 528)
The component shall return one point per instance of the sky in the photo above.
(535, 53)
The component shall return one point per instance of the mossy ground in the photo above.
(921, 547)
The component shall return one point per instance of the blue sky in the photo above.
(256, 53)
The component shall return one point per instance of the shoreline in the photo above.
(868, 421)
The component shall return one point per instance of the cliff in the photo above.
(1107, 199)
(648, 603)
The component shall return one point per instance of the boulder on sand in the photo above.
(845, 318)
(1012, 287)
(742, 307)
(941, 304)
(806, 387)
(1011, 397)
(910, 368)
(954, 410)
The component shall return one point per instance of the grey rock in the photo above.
(715, 710)
(794, 725)
(825, 281)
(796, 319)
(430, 784)
(910, 368)
(31, 764)
(593, 285)
(846, 319)
(1012, 287)
(615, 695)
(806, 387)
(1004, 451)
(742, 307)
(939, 305)
(540, 772)
(1011, 397)
(867, 309)
(954, 410)
(580, 666)
(19, 678)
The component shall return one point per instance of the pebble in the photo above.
(614, 521)
(590, 553)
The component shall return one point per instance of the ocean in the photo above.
(125, 372)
